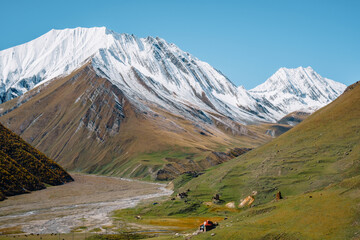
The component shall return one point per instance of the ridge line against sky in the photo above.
(248, 41)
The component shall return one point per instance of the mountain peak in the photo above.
(297, 68)
(79, 32)
(153, 70)
(81, 29)
(292, 89)
(146, 69)
(284, 71)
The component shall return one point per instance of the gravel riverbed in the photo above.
(86, 202)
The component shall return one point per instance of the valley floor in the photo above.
(84, 204)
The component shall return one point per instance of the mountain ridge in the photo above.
(166, 76)
(97, 129)
(155, 106)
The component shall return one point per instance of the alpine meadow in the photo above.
(109, 135)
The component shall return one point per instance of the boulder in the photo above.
(230, 205)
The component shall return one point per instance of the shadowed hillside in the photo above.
(23, 168)
(294, 118)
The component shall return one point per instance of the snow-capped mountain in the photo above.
(290, 90)
(146, 69)
(152, 72)
(105, 100)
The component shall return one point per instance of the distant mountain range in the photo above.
(150, 71)
(98, 101)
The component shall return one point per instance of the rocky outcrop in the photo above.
(352, 86)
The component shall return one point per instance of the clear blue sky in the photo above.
(246, 40)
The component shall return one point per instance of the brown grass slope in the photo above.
(87, 124)
(23, 168)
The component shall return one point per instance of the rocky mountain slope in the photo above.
(102, 102)
(23, 168)
(86, 123)
(150, 71)
(147, 70)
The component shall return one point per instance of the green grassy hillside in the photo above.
(315, 165)
(332, 213)
(323, 149)
(23, 168)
